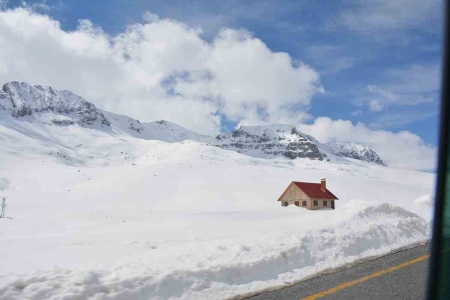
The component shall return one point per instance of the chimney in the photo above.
(323, 184)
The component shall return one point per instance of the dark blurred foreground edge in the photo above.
(439, 270)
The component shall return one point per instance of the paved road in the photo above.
(401, 275)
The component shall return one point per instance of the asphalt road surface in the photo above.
(400, 275)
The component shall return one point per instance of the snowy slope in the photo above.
(158, 130)
(100, 212)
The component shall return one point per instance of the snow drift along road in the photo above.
(226, 268)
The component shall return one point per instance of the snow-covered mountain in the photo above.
(64, 108)
(284, 140)
(46, 106)
(271, 141)
(61, 107)
(356, 151)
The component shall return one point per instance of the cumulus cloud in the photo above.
(150, 17)
(160, 69)
(400, 150)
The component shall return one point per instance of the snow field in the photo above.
(125, 218)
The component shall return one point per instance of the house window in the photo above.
(315, 203)
(297, 203)
(325, 203)
(304, 203)
(286, 203)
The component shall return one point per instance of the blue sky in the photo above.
(378, 61)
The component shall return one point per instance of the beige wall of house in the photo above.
(321, 203)
(293, 193)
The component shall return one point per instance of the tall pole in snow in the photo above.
(3, 207)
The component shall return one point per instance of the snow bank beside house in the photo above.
(220, 269)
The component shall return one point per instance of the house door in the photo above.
(332, 204)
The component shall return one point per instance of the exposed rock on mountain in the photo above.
(22, 99)
(271, 141)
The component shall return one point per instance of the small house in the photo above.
(308, 195)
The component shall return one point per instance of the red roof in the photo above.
(314, 190)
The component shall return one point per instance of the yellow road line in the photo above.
(365, 278)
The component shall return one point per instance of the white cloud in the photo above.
(162, 69)
(231, 13)
(379, 19)
(402, 117)
(401, 150)
(330, 59)
(415, 85)
(150, 17)
(357, 112)
(37, 5)
(375, 105)
(424, 78)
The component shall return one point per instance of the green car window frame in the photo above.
(439, 268)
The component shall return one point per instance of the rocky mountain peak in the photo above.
(270, 141)
(21, 99)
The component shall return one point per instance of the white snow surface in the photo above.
(159, 130)
(100, 214)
